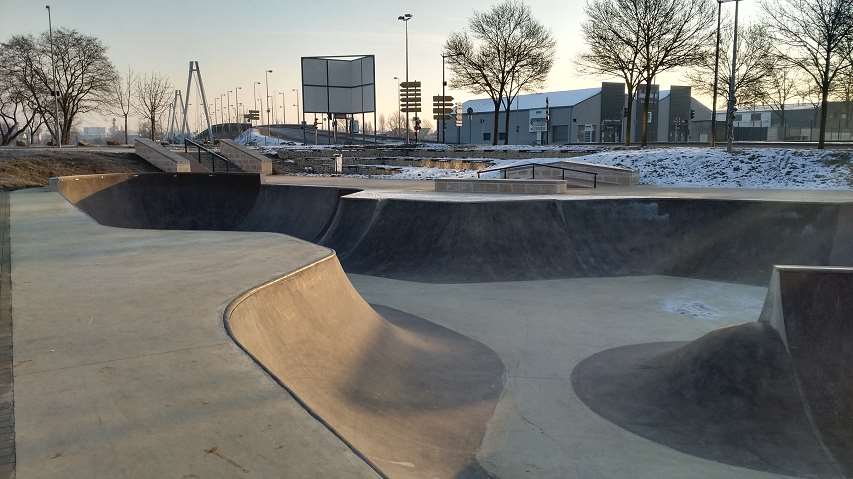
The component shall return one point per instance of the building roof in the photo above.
(536, 100)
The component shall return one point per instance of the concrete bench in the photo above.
(523, 187)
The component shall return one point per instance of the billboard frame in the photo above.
(330, 114)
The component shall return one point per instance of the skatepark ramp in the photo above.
(410, 396)
(481, 241)
(773, 395)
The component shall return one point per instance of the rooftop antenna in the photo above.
(185, 128)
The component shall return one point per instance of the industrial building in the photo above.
(589, 115)
(801, 123)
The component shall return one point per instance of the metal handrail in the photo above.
(533, 166)
(213, 155)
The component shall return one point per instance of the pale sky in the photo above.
(235, 42)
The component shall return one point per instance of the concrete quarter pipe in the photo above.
(414, 398)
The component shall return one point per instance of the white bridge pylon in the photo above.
(186, 101)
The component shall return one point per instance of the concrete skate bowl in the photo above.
(770, 426)
(774, 395)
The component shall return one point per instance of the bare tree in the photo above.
(817, 37)
(756, 64)
(152, 100)
(673, 34)
(781, 86)
(71, 65)
(530, 48)
(613, 48)
(480, 61)
(121, 97)
(17, 112)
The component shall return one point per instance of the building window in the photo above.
(487, 137)
(738, 117)
(501, 136)
(517, 128)
(756, 117)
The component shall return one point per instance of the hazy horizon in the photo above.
(235, 43)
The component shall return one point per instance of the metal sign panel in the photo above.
(538, 120)
(339, 84)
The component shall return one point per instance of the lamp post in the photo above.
(57, 135)
(731, 107)
(236, 103)
(255, 93)
(283, 108)
(443, 85)
(229, 106)
(405, 19)
(716, 75)
(267, 79)
(299, 117)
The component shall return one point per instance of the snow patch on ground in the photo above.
(714, 167)
(691, 309)
(253, 137)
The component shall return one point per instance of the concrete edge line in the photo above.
(226, 317)
(7, 405)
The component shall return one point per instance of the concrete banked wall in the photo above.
(411, 397)
(438, 241)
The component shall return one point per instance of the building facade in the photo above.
(590, 115)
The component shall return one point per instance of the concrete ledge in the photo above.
(162, 158)
(524, 187)
(248, 160)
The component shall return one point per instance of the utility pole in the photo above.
(732, 99)
(405, 19)
(399, 106)
(716, 76)
(57, 135)
(237, 105)
(229, 106)
(283, 109)
(267, 79)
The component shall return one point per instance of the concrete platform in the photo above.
(123, 368)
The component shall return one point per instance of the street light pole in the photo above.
(716, 76)
(443, 94)
(299, 116)
(267, 79)
(229, 106)
(237, 104)
(405, 19)
(283, 108)
(255, 93)
(57, 135)
(399, 106)
(732, 100)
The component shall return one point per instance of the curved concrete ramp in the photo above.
(773, 395)
(227, 202)
(412, 397)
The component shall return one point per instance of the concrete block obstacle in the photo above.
(774, 395)
(248, 160)
(522, 187)
(161, 157)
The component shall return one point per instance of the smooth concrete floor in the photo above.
(541, 330)
(123, 368)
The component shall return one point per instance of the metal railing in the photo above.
(211, 154)
(533, 166)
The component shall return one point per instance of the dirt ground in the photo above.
(31, 167)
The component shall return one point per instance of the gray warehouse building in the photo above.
(589, 115)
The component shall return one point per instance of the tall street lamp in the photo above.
(57, 135)
(405, 19)
(229, 106)
(399, 113)
(236, 103)
(731, 109)
(267, 79)
(283, 108)
(299, 117)
(255, 93)
(716, 75)
(443, 86)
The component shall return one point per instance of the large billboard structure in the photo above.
(339, 86)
